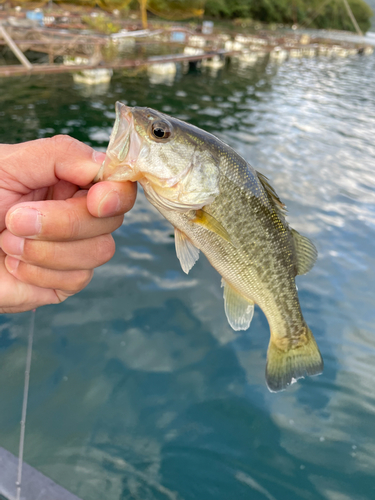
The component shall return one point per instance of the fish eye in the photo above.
(161, 130)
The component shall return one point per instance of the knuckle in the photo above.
(80, 280)
(117, 221)
(62, 141)
(61, 296)
(131, 196)
(36, 252)
(68, 146)
(71, 227)
(105, 248)
(30, 274)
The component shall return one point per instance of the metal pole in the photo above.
(351, 15)
(16, 51)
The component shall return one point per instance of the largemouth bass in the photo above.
(220, 205)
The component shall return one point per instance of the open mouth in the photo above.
(123, 148)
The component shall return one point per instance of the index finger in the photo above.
(106, 199)
(58, 220)
(41, 163)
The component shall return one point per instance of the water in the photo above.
(139, 388)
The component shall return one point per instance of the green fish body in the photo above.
(220, 205)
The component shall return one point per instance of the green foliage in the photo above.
(228, 8)
(218, 8)
(274, 11)
(331, 15)
(340, 18)
(102, 23)
(176, 9)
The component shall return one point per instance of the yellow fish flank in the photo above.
(220, 205)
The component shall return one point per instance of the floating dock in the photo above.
(35, 486)
(84, 51)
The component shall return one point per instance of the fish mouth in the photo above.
(123, 148)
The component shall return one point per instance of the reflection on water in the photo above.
(139, 388)
(88, 91)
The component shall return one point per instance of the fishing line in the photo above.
(24, 404)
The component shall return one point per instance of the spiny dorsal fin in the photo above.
(272, 195)
(187, 253)
(239, 311)
(209, 222)
(305, 252)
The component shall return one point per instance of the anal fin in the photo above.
(239, 310)
(286, 365)
(186, 252)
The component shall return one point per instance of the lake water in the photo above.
(139, 388)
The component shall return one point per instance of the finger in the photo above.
(106, 199)
(41, 163)
(80, 193)
(61, 191)
(61, 220)
(64, 256)
(16, 296)
(69, 282)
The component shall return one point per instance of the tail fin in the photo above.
(284, 367)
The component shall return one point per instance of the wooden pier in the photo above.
(90, 50)
(16, 70)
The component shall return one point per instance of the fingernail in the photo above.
(98, 157)
(25, 222)
(81, 193)
(14, 245)
(11, 264)
(110, 204)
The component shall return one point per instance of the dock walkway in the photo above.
(86, 51)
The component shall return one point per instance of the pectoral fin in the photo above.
(239, 310)
(209, 222)
(186, 252)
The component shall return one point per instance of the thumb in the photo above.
(44, 162)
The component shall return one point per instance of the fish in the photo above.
(220, 205)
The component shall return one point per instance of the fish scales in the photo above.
(246, 264)
(221, 206)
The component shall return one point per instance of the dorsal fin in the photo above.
(272, 195)
(304, 250)
(305, 253)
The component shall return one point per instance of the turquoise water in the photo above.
(139, 388)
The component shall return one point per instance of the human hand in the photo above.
(54, 228)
